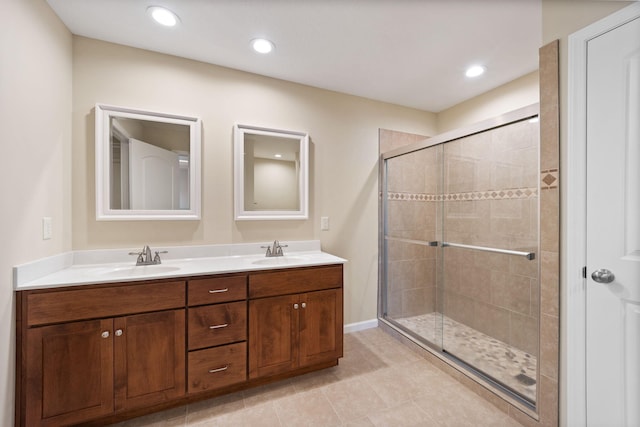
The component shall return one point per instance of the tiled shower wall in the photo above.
(489, 198)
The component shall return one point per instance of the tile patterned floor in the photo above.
(379, 382)
(509, 365)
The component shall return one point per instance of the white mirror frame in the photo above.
(104, 114)
(239, 173)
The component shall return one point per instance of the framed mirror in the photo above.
(147, 165)
(271, 174)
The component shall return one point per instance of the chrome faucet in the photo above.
(275, 249)
(145, 257)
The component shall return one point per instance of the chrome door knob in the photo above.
(603, 276)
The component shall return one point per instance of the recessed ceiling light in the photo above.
(277, 156)
(262, 45)
(475, 71)
(163, 16)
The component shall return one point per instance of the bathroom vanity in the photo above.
(104, 352)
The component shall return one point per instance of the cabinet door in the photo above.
(320, 326)
(69, 370)
(149, 358)
(273, 333)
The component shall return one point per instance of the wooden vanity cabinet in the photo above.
(78, 364)
(100, 354)
(295, 319)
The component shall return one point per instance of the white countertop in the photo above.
(84, 267)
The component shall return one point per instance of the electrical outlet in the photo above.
(324, 223)
(47, 228)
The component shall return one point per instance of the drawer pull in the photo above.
(217, 291)
(224, 325)
(224, 368)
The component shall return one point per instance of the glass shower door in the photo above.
(460, 244)
(412, 212)
(489, 288)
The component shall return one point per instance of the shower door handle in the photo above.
(603, 276)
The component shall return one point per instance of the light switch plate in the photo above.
(324, 223)
(47, 228)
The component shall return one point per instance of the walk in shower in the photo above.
(459, 248)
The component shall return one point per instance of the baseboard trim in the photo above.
(360, 326)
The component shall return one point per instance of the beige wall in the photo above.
(35, 179)
(344, 154)
(503, 99)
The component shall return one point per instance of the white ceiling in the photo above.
(406, 52)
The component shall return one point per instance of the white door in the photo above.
(613, 228)
(153, 177)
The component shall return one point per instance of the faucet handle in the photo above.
(268, 248)
(140, 259)
(156, 258)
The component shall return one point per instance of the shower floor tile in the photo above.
(512, 367)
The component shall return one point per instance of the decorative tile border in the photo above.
(514, 193)
(549, 179)
(412, 197)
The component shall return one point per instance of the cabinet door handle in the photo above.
(304, 305)
(224, 368)
(118, 332)
(224, 325)
(105, 334)
(217, 291)
(295, 306)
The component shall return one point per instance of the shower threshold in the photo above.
(510, 367)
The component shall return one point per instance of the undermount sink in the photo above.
(139, 270)
(280, 260)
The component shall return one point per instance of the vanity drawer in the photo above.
(95, 302)
(218, 324)
(213, 290)
(217, 367)
(294, 281)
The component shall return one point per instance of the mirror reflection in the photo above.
(271, 171)
(147, 165)
(271, 176)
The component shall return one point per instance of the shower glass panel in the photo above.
(460, 250)
(412, 212)
(490, 205)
